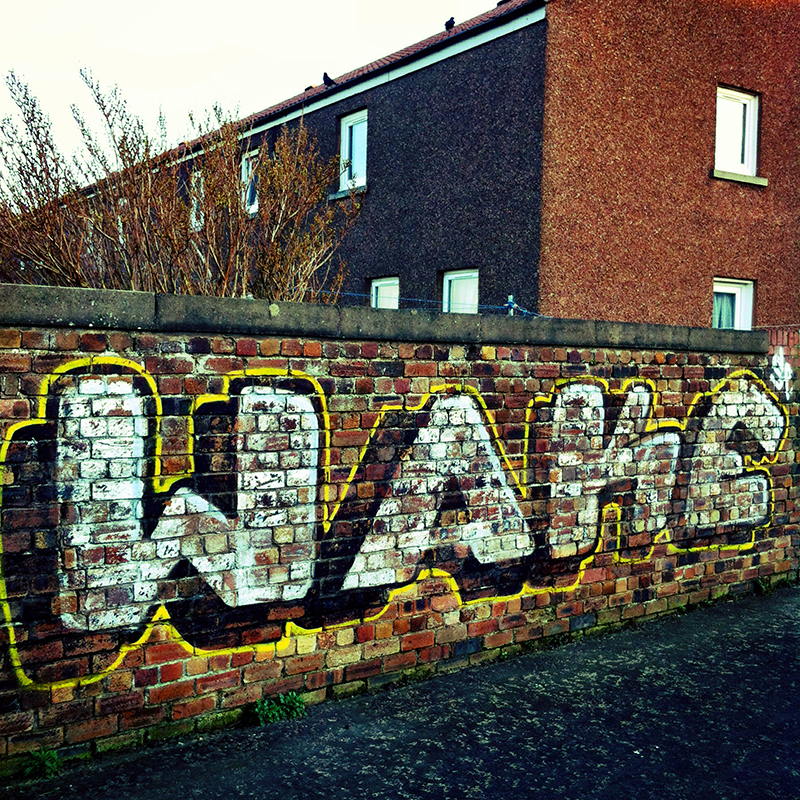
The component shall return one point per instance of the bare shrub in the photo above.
(129, 213)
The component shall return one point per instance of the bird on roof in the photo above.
(327, 80)
(450, 24)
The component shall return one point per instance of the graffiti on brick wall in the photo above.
(260, 526)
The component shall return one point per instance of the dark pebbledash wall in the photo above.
(206, 502)
(454, 164)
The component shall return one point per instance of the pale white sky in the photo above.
(185, 56)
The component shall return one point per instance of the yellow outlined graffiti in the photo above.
(292, 630)
(80, 366)
(274, 372)
(654, 425)
(456, 387)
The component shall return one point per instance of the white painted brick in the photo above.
(92, 385)
(265, 518)
(124, 531)
(112, 575)
(93, 427)
(126, 468)
(72, 408)
(117, 490)
(115, 618)
(261, 480)
(155, 570)
(93, 468)
(119, 385)
(168, 548)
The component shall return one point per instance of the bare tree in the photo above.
(129, 213)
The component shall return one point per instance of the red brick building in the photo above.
(641, 213)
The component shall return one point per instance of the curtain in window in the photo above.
(724, 310)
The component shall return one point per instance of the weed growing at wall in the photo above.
(280, 707)
(42, 763)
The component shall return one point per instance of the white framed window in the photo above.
(384, 293)
(249, 183)
(354, 151)
(736, 148)
(460, 291)
(733, 304)
(196, 196)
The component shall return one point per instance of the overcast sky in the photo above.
(185, 56)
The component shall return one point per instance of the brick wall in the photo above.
(206, 502)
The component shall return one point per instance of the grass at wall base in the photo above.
(42, 763)
(283, 706)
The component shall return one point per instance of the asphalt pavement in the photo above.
(699, 705)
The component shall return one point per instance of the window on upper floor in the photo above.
(460, 291)
(249, 182)
(384, 292)
(354, 151)
(736, 147)
(733, 304)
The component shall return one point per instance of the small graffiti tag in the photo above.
(781, 375)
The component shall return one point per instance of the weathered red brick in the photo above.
(400, 661)
(169, 365)
(9, 338)
(363, 670)
(438, 653)
(93, 729)
(317, 680)
(16, 723)
(191, 708)
(93, 342)
(212, 683)
(424, 369)
(14, 409)
(498, 639)
(414, 641)
(170, 691)
(145, 677)
(170, 672)
(307, 663)
(262, 672)
(15, 362)
(164, 652)
(119, 703)
(241, 657)
(141, 718)
(482, 627)
(242, 696)
(246, 347)
(66, 713)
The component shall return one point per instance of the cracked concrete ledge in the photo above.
(57, 307)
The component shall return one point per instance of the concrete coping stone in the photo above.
(50, 306)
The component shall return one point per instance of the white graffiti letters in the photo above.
(251, 521)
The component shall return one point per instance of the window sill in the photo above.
(753, 180)
(340, 195)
